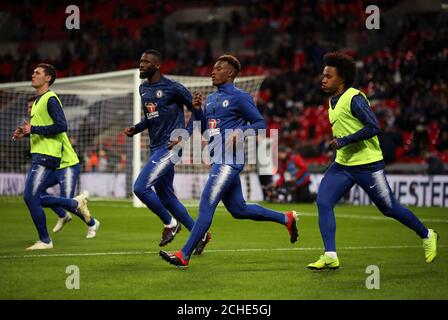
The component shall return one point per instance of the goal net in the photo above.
(98, 108)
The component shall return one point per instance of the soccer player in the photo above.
(163, 103)
(47, 129)
(227, 108)
(359, 160)
(66, 176)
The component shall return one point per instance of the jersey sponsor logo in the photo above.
(152, 110)
(151, 107)
(212, 127)
(159, 94)
(212, 123)
(225, 103)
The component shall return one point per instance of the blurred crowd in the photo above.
(404, 75)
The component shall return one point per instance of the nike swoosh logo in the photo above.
(214, 175)
(371, 187)
(154, 161)
(333, 122)
(173, 232)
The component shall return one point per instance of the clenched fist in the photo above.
(130, 131)
(197, 100)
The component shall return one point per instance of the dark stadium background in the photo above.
(401, 67)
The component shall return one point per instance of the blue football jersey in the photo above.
(162, 104)
(230, 108)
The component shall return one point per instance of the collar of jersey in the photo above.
(335, 99)
(147, 84)
(226, 87)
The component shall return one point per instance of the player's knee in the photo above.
(387, 210)
(237, 212)
(142, 185)
(139, 189)
(28, 196)
(387, 206)
(237, 215)
(323, 204)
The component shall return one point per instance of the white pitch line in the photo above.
(314, 214)
(28, 256)
(362, 217)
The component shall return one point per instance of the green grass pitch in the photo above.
(244, 260)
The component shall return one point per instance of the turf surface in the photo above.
(244, 260)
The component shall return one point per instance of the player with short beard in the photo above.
(163, 103)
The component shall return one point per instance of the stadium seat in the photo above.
(62, 73)
(168, 66)
(78, 67)
(203, 71)
(127, 64)
(433, 135)
(299, 60)
(303, 134)
(408, 138)
(399, 153)
(443, 156)
(5, 70)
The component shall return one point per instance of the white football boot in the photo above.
(39, 245)
(61, 222)
(91, 231)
